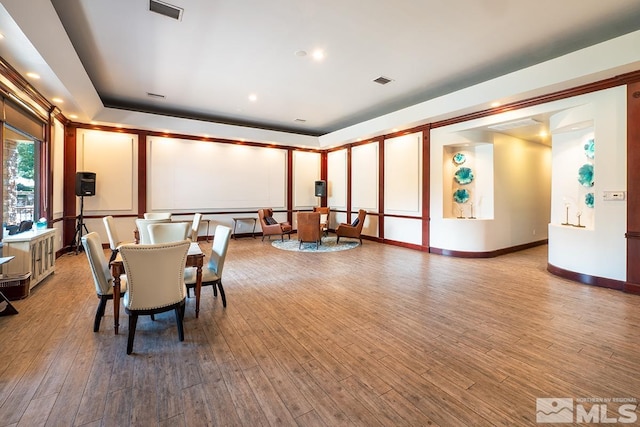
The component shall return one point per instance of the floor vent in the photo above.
(166, 9)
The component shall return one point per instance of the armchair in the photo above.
(270, 227)
(351, 230)
(324, 218)
(309, 229)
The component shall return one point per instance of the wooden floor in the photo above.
(374, 336)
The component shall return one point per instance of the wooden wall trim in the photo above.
(631, 288)
(381, 179)
(402, 244)
(143, 141)
(150, 133)
(289, 202)
(349, 169)
(543, 99)
(487, 254)
(426, 186)
(69, 193)
(633, 187)
(12, 83)
(324, 175)
(586, 279)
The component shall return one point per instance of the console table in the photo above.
(33, 252)
(235, 222)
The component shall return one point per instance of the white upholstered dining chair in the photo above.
(112, 234)
(212, 271)
(101, 273)
(157, 215)
(195, 226)
(155, 275)
(142, 225)
(169, 232)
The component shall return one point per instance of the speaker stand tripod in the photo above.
(80, 226)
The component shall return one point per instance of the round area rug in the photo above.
(328, 245)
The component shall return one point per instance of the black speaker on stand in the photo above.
(85, 186)
(321, 188)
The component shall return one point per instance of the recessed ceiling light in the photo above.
(318, 54)
(73, 116)
(495, 104)
(300, 53)
(58, 100)
(33, 75)
(253, 97)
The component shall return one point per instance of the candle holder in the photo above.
(471, 207)
(461, 211)
(578, 215)
(566, 221)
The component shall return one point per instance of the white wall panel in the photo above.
(364, 177)
(403, 230)
(306, 170)
(337, 179)
(185, 175)
(112, 156)
(403, 175)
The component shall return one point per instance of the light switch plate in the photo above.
(614, 195)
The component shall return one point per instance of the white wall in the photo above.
(306, 171)
(337, 186)
(598, 249)
(113, 156)
(511, 198)
(403, 188)
(188, 176)
(364, 184)
(522, 195)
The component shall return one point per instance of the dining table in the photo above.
(195, 258)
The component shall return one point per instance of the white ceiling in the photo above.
(111, 53)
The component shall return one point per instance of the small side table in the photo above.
(235, 223)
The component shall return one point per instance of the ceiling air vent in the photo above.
(166, 9)
(515, 124)
(155, 95)
(382, 80)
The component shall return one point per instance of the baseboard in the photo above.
(587, 279)
(487, 254)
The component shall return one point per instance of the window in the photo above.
(20, 177)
